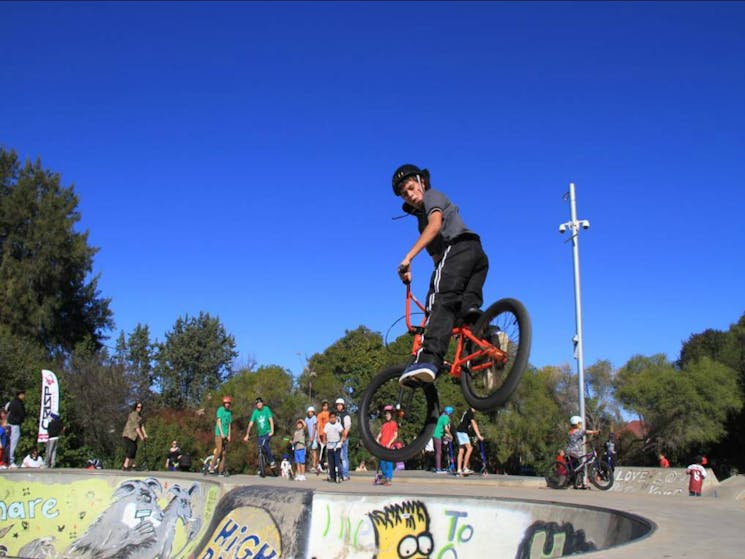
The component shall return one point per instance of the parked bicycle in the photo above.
(562, 474)
(490, 358)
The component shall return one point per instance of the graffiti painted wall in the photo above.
(664, 482)
(449, 528)
(101, 516)
(122, 517)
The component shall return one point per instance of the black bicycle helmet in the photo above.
(406, 171)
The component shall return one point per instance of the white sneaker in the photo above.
(467, 471)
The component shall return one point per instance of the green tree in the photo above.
(136, 354)
(94, 405)
(275, 386)
(678, 407)
(195, 358)
(727, 348)
(48, 294)
(530, 428)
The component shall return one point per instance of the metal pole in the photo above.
(574, 226)
(578, 303)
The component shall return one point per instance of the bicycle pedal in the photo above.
(412, 383)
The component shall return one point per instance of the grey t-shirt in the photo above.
(452, 223)
(575, 445)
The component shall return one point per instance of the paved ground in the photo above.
(706, 527)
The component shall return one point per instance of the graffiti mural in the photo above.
(258, 522)
(402, 530)
(424, 528)
(549, 539)
(115, 517)
(136, 519)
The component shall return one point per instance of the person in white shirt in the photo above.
(32, 460)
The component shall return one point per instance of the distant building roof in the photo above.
(636, 428)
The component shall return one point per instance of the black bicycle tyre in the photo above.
(520, 364)
(414, 447)
(601, 475)
(558, 475)
(262, 462)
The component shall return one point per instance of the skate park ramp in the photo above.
(102, 514)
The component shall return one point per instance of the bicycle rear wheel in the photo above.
(416, 412)
(557, 476)
(601, 475)
(486, 383)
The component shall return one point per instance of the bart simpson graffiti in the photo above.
(92, 518)
(402, 531)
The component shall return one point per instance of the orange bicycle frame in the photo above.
(462, 333)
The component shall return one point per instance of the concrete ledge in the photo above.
(661, 482)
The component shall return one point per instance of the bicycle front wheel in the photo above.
(486, 383)
(262, 462)
(415, 411)
(601, 475)
(557, 476)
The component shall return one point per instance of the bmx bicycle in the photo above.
(264, 465)
(600, 474)
(490, 358)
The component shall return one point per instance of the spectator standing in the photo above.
(664, 462)
(311, 425)
(362, 467)
(323, 418)
(466, 426)
(223, 421)
(346, 421)
(610, 451)
(298, 447)
(264, 420)
(441, 429)
(386, 438)
(332, 437)
(4, 438)
(134, 429)
(32, 459)
(55, 428)
(696, 473)
(173, 457)
(16, 416)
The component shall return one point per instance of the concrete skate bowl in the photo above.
(104, 515)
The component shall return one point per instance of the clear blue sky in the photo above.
(235, 158)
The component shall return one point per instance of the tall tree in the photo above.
(136, 354)
(95, 394)
(678, 407)
(727, 348)
(47, 291)
(195, 358)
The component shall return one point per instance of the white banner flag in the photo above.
(49, 402)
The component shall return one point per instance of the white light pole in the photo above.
(574, 226)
